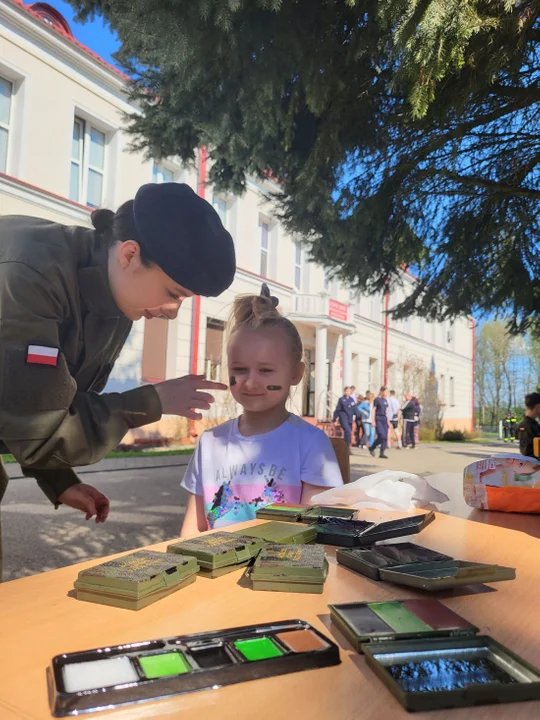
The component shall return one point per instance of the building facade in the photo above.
(63, 151)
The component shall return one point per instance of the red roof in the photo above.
(55, 21)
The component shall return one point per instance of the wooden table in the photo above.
(40, 618)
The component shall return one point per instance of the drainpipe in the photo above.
(473, 367)
(386, 326)
(196, 307)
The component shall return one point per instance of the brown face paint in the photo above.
(274, 387)
(232, 381)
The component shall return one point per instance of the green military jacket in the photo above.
(55, 296)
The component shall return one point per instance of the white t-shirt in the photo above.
(393, 407)
(236, 475)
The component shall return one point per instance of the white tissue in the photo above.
(385, 490)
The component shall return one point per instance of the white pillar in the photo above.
(321, 351)
(347, 361)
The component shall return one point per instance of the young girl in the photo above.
(267, 455)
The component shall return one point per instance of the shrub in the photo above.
(454, 436)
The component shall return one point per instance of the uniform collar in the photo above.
(94, 284)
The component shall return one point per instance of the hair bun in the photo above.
(102, 219)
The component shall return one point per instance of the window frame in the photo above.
(7, 126)
(83, 161)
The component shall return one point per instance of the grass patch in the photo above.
(8, 459)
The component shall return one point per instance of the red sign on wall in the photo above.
(338, 310)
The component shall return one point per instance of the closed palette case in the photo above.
(136, 580)
(281, 533)
(416, 566)
(430, 658)
(289, 568)
(108, 677)
(220, 552)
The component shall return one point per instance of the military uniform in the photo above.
(60, 334)
(526, 431)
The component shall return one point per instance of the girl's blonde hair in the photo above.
(258, 312)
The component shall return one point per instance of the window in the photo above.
(87, 164)
(373, 375)
(371, 307)
(220, 206)
(407, 325)
(264, 230)
(215, 330)
(161, 174)
(6, 92)
(452, 391)
(298, 257)
(421, 328)
(326, 281)
(442, 389)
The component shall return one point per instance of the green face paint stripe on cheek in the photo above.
(258, 648)
(399, 618)
(274, 387)
(232, 381)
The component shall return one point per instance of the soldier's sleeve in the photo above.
(53, 482)
(44, 421)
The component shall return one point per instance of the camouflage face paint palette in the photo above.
(289, 568)
(136, 580)
(109, 677)
(416, 566)
(358, 533)
(430, 658)
(218, 553)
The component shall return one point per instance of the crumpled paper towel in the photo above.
(385, 490)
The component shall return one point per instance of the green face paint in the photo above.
(398, 617)
(258, 648)
(156, 666)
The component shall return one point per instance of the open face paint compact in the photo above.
(416, 566)
(357, 533)
(280, 533)
(289, 568)
(107, 677)
(303, 513)
(430, 658)
(136, 580)
(219, 553)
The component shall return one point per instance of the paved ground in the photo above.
(147, 505)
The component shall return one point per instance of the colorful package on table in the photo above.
(507, 483)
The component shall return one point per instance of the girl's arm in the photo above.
(194, 519)
(308, 491)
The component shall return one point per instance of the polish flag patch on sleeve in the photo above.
(41, 355)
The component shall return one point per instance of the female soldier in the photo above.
(68, 297)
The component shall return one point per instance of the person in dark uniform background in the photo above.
(68, 297)
(508, 427)
(381, 422)
(529, 428)
(344, 414)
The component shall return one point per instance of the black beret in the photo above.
(185, 236)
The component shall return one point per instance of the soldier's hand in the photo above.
(87, 499)
(181, 396)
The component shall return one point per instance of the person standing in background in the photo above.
(363, 422)
(344, 414)
(394, 406)
(507, 428)
(408, 412)
(354, 395)
(529, 428)
(381, 422)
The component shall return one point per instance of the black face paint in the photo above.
(274, 387)
(232, 381)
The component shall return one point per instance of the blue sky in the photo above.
(94, 34)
